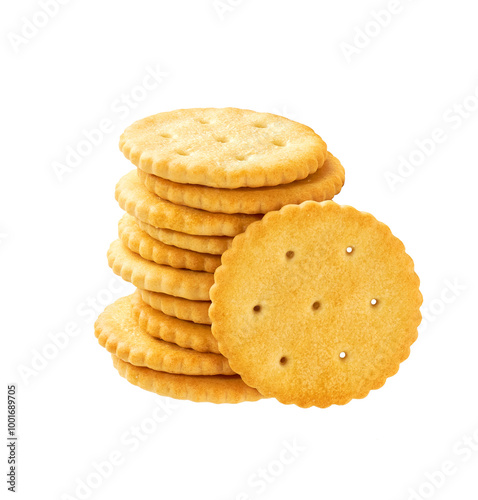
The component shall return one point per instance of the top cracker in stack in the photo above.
(314, 304)
(223, 148)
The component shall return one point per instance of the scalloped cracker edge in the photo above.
(148, 275)
(319, 186)
(142, 243)
(183, 333)
(136, 199)
(200, 389)
(177, 307)
(120, 334)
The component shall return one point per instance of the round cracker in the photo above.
(120, 334)
(136, 199)
(142, 243)
(200, 389)
(148, 275)
(223, 148)
(322, 185)
(293, 305)
(183, 333)
(177, 307)
(215, 245)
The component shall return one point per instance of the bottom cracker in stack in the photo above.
(199, 388)
(163, 367)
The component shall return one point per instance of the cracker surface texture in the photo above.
(315, 305)
(223, 148)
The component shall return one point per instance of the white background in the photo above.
(269, 55)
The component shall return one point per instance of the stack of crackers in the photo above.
(251, 284)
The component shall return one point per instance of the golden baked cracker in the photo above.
(120, 334)
(317, 304)
(149, 248)
(223, 148)
(200, 388)
(148, 275)
(322, 185)
(188, 310)
(136, 199)
(183, 333)
(215, 245)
